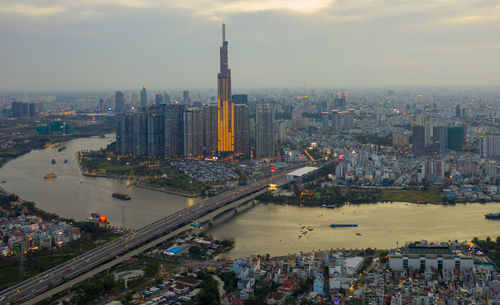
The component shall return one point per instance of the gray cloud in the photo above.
(113, 44)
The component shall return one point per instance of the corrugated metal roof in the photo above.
(302, 171)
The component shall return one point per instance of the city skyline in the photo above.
(106, 45)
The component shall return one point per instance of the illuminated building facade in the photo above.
(225, 109)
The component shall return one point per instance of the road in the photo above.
(76, 268)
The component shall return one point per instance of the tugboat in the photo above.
(50, 176)
(121, 196)
(492, 216)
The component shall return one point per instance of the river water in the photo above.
(75, 196)
(280, 230)
(265, 228)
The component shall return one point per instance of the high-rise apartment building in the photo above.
(144, 96)
(32, 109)
(159, 98)
(400, 139)
(325, 121)
(434, 170)
(424, 119)
(20, 109)
(439, 139)
(455, 138)
(209, 117)
(156, 131)
(264, 121)
(185, 97)
(241, 129)
(240, 99)
(490, 146)
(193, 135)
(225, 109)
(174, 130)
(418, 138)
(341, 120)
(124, 134)
(280, 128)
(140, 134)
(119, 102)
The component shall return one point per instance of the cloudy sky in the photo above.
(173, 44)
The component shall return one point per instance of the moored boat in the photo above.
(121, 196)
(50, 176)
(492, 216)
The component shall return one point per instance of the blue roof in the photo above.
(174, 251)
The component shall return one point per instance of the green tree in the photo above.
(194, 251)
(209, 294)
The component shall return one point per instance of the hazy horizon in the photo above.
(107, 45)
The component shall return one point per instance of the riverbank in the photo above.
(28, 253)
(18, 148)
(155, 174)
(337, 197)
(166, 191)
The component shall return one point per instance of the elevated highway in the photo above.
(112, 253)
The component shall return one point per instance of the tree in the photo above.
(194, 251)
(230, 281)
(209, 294)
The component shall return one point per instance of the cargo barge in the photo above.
(335, 225)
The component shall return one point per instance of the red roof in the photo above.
(275, 296)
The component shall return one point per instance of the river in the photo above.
(280, 230)
(265, 228)
(74, 196)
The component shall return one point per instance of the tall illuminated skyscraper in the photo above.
(144, 96)
(225, 109)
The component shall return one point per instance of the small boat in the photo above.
(50, 176)
(81, 181)
(53, 161)
(65, 160)
(121, 196)
(3, 181)
(61, 148)
(334, 225)
(492, 216)
(359, 234)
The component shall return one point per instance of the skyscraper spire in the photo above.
(223, 32)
